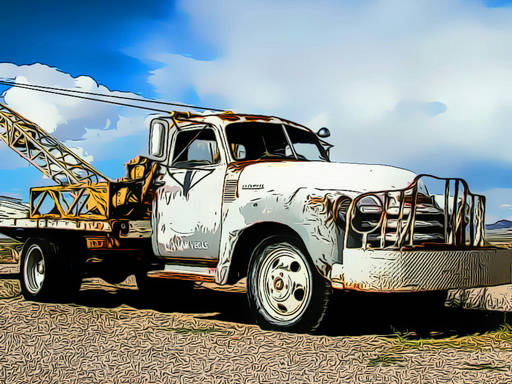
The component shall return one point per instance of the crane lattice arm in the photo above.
(45, 152)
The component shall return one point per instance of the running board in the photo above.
(185, 272)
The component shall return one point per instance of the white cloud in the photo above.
(81, 152)
(55, 111)
(395, 81)
(108, 144)
(89, 128)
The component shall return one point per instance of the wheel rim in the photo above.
(34, 269)
(284, 284)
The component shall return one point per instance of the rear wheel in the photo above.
(47, 272)
(285, 291)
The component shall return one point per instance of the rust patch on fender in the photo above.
(330, 206)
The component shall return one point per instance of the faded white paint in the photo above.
(498, 298)
(187, 209)
(352, 179)
(419, 270)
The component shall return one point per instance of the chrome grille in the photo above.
(410, 218)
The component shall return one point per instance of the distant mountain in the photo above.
(9, 198)
(13, 208)
(500, 224)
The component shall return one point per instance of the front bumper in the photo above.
(421, 270)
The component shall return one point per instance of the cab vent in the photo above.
(230, 191)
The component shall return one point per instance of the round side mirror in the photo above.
(323, 132)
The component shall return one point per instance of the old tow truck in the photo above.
(223, 196)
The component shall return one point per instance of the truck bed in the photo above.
(15, 215)
(134, 228)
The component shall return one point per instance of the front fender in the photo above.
(307, 211)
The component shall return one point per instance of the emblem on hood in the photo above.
(253, 186)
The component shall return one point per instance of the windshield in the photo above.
(255, 141)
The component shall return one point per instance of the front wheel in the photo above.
(285, 291)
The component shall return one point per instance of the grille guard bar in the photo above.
(460, 216)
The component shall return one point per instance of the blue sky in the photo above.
(91, 38)
(422, 85)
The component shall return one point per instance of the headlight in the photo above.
(370, 204)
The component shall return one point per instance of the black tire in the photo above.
(48, 272)
(284, 289)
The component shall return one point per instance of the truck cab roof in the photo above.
(228, 117)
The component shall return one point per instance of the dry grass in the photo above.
(9, 251)
(198, 331)
(385, 360)
(401, 343)
(484, 367)
(499, 339)
(103, 339)
(499, 238)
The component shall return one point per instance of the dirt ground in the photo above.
(111, 334)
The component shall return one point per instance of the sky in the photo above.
(423, 85)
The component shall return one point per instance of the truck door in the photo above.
(187, 215)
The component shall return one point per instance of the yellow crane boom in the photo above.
(83, 192)
(43, 151)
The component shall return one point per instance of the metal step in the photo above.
(185, 272)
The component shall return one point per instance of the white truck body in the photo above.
(206, 220)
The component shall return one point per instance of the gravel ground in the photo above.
(111, 334)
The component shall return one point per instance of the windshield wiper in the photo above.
(267, 153)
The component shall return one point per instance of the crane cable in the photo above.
(63, 92)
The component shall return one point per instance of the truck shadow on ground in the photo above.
(418, 315)
(351, 314)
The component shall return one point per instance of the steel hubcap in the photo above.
(284, 284)
(278, 284)
(34, 269)
(40, 267)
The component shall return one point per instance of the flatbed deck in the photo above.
(130, 229)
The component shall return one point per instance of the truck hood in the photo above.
(358, 178)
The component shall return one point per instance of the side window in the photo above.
(196, 147)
